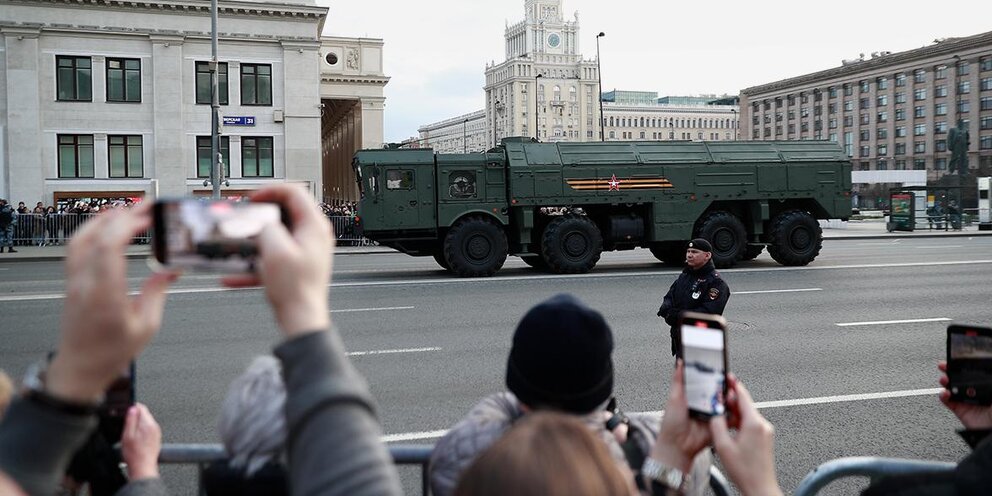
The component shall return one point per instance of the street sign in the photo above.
(239, 120)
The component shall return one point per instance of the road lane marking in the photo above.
(380, 309)
(934, 247)
(885, 322)
(528, 278)
(766, 291)
(419, 436)
(391, 352)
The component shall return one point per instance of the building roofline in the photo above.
(948, 46)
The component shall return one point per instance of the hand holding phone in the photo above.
(703, 344)
(969, 364)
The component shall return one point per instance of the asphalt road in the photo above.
(431, 345)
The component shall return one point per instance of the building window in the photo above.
(940, 91)
(900, 149)
(864, 135)
(940, 109)
(920, 164)
(920, 130)
(864, 119)
(920, 94)
(864, 103)
(848, 90)
(613, 135)
(256, 157)
(256, 84)
(940, 164)
(900, 114)
(900, 79)
(964, 107)
(849, 143)
(883, 117)
(985, 123)
(832, 137)
(985, 64)
(919, 111)
(803, 98)
(803, 112)
(203, 83)
(864, 151)
(832, 124)
(940, 72)
(848, 105)
(883, 150)
(940, 145)
(940, 127)
(792, 115)
(900, 98)
(832, 92)
(642, 134)
(832, 108)
(74, 79)
(848, 121)
(985, 142)
(963, 69)
(203, 161)
(985, 84)
(75, 155)
(123, 80)
(864, 86)
(900, 131)
(882, 100)
(985, 103)
(125, 156)
(881, 133)
(920, 147)
(882, 83)
(964, 87)
(919, 76)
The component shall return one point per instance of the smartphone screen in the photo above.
(969, 364)
(210, 235)
(704, 355)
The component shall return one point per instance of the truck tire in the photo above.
(727, 235)
(535, 261)
(669, 252)
(475, 247)
(571, 244)
(796, 238)
(752, 251)
(439, 258)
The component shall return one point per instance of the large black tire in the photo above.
(727, 235)
(752, 251)
(571, 244)
(475, 247)
(669, 252)
(796, 238)
(439, 258)
(535, 261)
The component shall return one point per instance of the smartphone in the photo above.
(210, 235)
(703, 342)
(969, 364)
(119, 397)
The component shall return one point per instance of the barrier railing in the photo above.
(403, 454)
(864, 466)
(56, 229)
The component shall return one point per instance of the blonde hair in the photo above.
(6, 392)
(547, 454)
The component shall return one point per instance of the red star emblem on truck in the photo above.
(614, 183)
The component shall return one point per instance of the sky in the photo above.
(436, 51)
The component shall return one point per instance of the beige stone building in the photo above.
(890, 111)
(100, 101)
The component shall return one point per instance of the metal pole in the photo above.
(216, 174)
(537, 134)
(464, 141)
(599, 78)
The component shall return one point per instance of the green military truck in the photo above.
(558, 206)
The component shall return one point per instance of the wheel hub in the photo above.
(800, 238)
(723, 240)
(478, 247)
(575, 245)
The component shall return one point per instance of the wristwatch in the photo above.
(669, 477)
(34, 390)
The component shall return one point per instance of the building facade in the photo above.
(892, 111)
(462, 134)
(641, 115)
(103, 101)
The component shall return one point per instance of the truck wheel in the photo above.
(535, 261)
(439, 258)
(475, 247)
(727, 235)
(796, 238)
(571, 244)
(752, 251)
(669, 252)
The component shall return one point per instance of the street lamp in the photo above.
(537, 134)
(464, 141)
(495, 121)
(733, 123)
(599, 79)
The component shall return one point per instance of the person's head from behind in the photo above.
(697, 254)
(252, 420)
(546, 454)
(561, 357)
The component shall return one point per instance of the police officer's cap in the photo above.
(701, 245)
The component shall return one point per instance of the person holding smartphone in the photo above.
(698, 289)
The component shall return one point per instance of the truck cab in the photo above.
(397, 199)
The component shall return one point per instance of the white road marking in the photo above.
(417, 436)
(885, 322)
(543, 277)
(765, 291)
(933, 247)
(390, 352)
(380, 309)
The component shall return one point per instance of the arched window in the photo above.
(642, 122)
(611, 121)
(613, 134)
(557, 93)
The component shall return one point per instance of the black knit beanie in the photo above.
(701, 245)
(561, 357)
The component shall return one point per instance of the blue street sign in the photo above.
(239, 120)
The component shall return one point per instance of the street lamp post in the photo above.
(537, 133)
(464, 141)
(599, 79)
(733, 123)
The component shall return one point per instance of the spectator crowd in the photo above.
(302, 421)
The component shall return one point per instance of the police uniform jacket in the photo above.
(696, 290)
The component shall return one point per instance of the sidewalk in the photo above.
(832, 230)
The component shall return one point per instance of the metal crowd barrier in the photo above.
(864, 466)
(403, 454)
(56, 229)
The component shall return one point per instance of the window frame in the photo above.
(127, 146)
(225, 144)
(75, 78)
(223, 82)
(254, 78)
(76, 146)
(123, 69)
(258, 155)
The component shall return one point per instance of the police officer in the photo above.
(698, 289)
